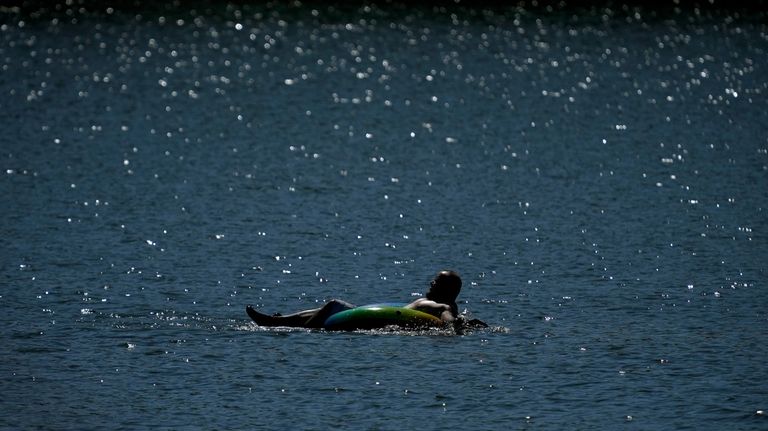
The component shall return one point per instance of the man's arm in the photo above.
(443, 311)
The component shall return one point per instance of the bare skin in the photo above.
(445, 312)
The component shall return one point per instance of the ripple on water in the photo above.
(595, 172)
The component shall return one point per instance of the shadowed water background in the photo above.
(598, 175)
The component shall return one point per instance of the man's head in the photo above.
(445, 287)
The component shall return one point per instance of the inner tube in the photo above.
(377, 316)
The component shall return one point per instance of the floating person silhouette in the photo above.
(439, 305)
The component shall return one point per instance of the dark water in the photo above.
(598, 175)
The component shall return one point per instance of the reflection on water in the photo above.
(597, 173)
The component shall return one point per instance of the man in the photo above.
(440, 301)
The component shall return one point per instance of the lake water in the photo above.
(597, 174)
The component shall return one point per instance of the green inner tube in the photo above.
(377, 316)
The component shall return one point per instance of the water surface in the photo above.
(597, 174)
